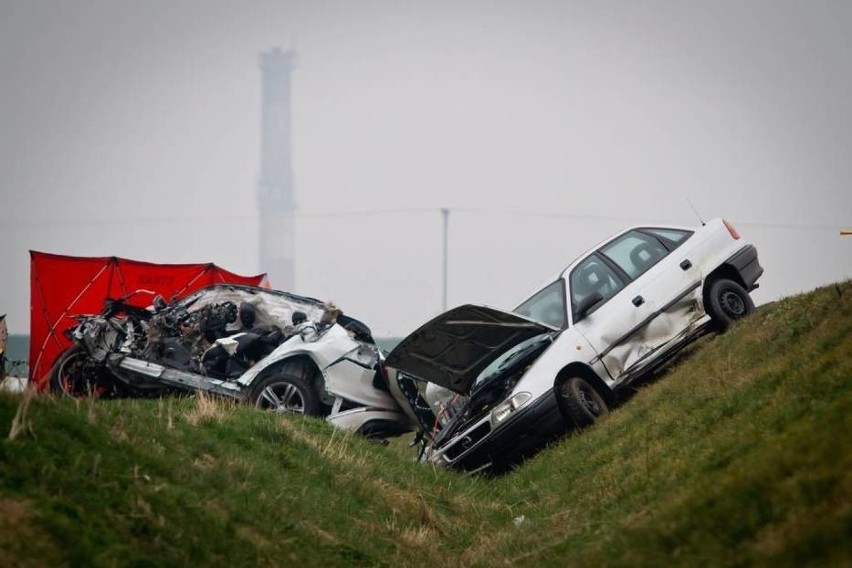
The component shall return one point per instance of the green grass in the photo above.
(739, 456)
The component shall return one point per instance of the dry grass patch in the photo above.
(409, 505)
(337, 448)
(418, 537)
(21, 423)
(208, 408)
(205, 462)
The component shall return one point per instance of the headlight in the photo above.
(507, 407)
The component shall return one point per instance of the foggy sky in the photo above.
(132, 129)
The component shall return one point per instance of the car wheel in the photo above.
(727, 301)
(75, 374)
(582, 404)
(286, 395)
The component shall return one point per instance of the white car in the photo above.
(513, 381)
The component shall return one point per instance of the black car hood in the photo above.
(454, 348)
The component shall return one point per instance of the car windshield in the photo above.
(507, 359)
(547, 306)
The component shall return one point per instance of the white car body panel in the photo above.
(569, 346)
(352, 378)
(324, 350)
(352, 420)
(349, 376)
(604, 328)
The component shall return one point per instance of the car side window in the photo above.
(672, 238)
(590, 276)
(635, 253)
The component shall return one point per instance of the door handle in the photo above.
(638, 301)
(686, 264)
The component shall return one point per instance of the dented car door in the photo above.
(666, 265)
(614, 326)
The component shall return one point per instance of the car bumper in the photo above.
(747, 264)
(524, 432)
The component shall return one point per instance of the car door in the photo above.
(665, 282)
(657, 262)
(612, 325)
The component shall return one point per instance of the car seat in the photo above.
(644, 256)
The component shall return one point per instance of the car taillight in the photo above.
(734, 233)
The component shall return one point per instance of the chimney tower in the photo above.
(275, 184)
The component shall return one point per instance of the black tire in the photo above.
(726, 302)
(285, 394)
(75, 374)
(581, 403)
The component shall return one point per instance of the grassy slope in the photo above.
(740, 456)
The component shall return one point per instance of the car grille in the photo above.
(467, 440)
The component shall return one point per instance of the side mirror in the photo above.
(587, 303)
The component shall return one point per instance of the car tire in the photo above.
(726, 302)
(75, 374)
(581, 403)
(285, 394)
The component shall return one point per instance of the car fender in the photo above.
(569, 348)
(717, 247)
(591, 376)
(346, 366)
(323, 352)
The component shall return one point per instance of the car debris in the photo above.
(274, 350)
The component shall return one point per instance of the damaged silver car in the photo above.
(274, 350)
(501, 385)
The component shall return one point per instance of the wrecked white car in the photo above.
(271, 349)
(512, 382)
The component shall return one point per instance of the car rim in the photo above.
(283, 398)
(732, 303)
(589, 402)
(72, 376)
(65, 381)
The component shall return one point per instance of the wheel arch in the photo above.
(584, 371)
(725, 270)
(298, 360)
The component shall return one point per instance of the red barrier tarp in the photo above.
(63, 286)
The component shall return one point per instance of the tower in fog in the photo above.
(275, 184)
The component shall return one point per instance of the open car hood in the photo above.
(454, 348)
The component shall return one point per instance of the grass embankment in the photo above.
(739, 456)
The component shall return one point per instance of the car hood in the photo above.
(454, 348)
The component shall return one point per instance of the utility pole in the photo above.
(445, 212)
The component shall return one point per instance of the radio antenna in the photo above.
(694, 210)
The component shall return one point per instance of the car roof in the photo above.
(567, 268)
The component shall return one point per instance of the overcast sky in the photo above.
(131, 128)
